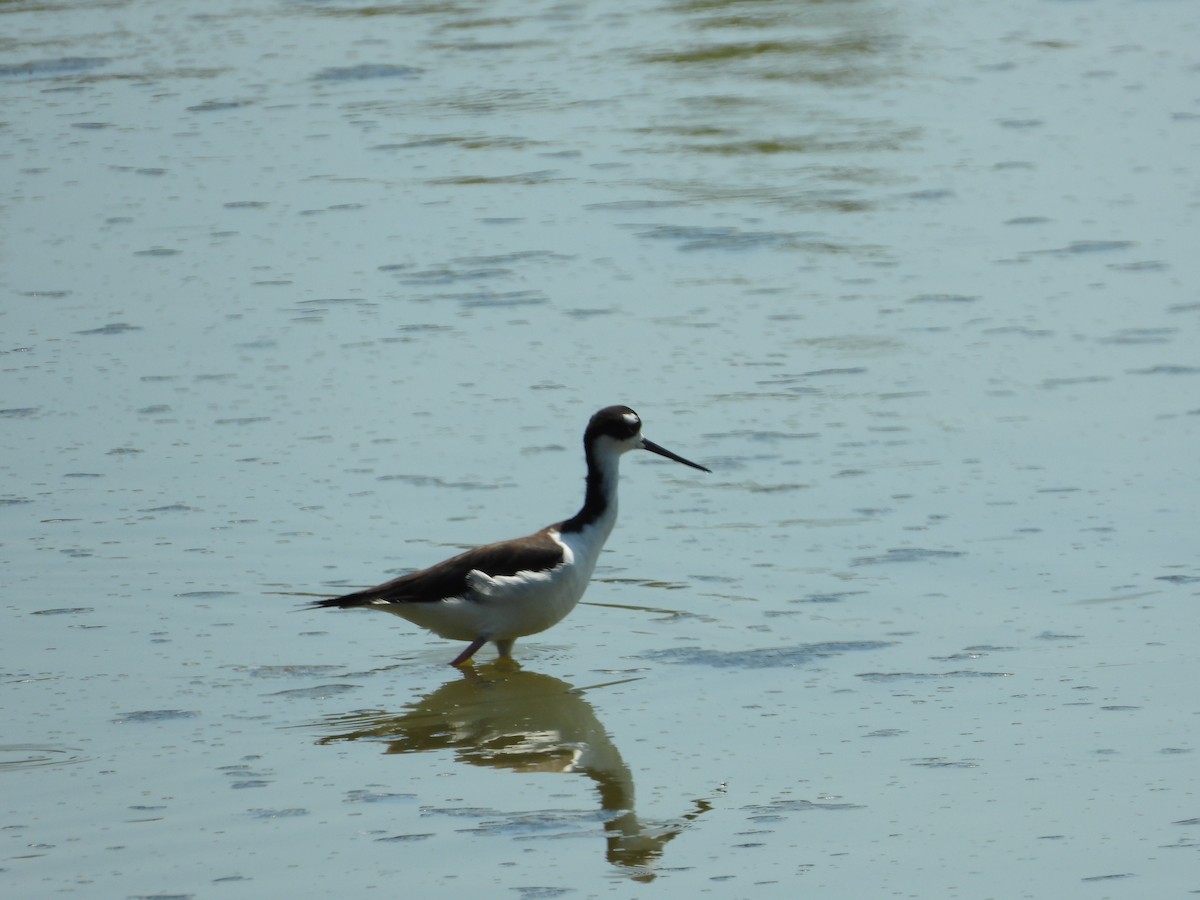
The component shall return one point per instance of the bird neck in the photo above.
(600, 500)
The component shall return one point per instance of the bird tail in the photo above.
(346, 601)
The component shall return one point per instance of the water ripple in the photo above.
(764, 658)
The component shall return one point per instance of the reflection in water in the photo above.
(506, 718)
(845, 43)
(763, 104)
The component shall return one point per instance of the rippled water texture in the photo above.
(295, 296)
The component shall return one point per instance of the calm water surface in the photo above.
(298, 295)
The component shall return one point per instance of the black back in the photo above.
(536, 552)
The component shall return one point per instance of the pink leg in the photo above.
(466, 655)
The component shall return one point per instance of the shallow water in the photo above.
(299, 295)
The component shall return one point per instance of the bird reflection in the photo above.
(508, 718)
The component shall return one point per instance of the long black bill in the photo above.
(662, 451)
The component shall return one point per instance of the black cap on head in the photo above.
(617, 422)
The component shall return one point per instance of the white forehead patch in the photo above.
(632, 420)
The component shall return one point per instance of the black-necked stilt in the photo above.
(503, 591)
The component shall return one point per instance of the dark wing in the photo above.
(449, 578)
